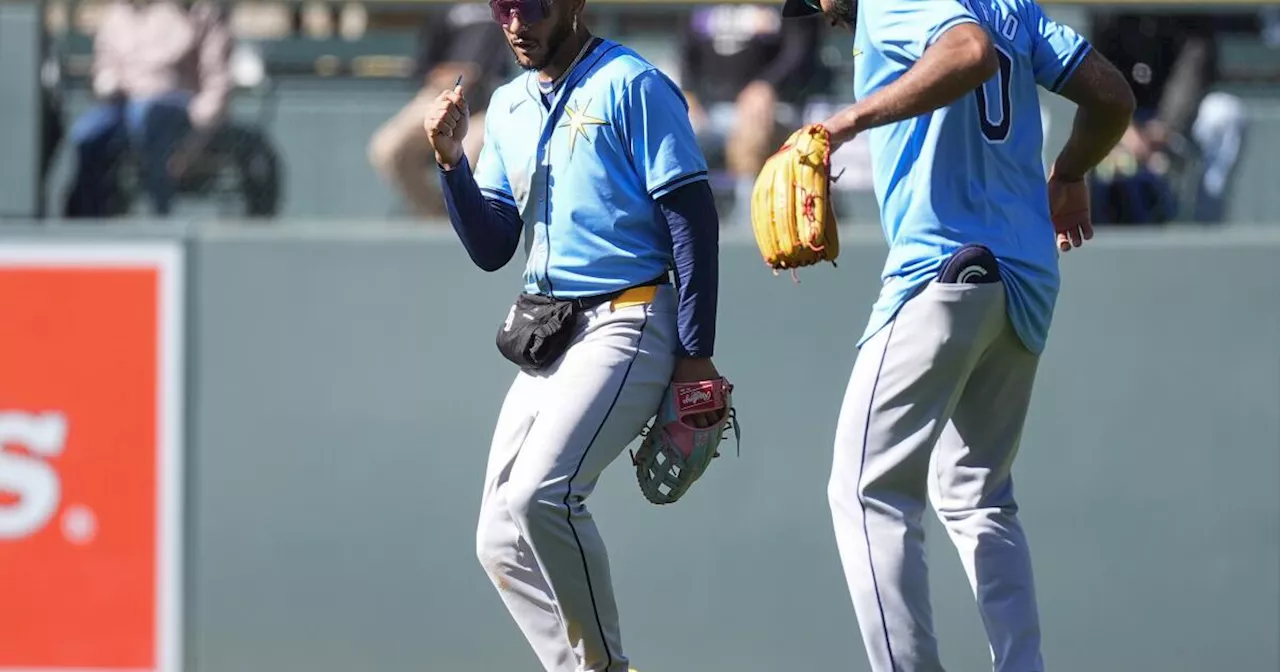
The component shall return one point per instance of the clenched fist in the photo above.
(446, 126)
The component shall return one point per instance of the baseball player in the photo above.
(947, 94)
(589, 157)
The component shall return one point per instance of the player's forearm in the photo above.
(1094, 133)
(695, 236)
(1105, 106)
(957, 63)
(489, 229)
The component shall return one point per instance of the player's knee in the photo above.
(841, 490)
(486, 544)
(957, 501)
(841, 495)
(532, 502)
(494, 552)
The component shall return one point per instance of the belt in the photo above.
(634, 295)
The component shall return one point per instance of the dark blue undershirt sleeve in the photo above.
(489, 228)
(691, 214)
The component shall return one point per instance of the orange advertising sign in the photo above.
(90, 457)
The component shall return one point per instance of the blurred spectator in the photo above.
(746, 73)
(1269, 18)
(463, 40)
(160, 74)
(1171, 61)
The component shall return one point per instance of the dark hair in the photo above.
(846, 10)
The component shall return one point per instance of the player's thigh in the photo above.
(975, 455)
(597, 399)
(907, 382)
(519, 409)
(881, 432)
(856, 407)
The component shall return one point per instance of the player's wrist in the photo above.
(690, 369)
(842, 127)
(448, 164)
(1063, 171)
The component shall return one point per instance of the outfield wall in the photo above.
(329, 500)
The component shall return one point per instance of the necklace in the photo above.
(548, 87)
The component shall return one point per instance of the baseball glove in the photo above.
(791, 213)
(674, 453)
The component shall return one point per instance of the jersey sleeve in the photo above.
(654, 119)
(903, 29)
(1056, 49)
(490, 174)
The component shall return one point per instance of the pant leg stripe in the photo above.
(866, 533)
(569, 493)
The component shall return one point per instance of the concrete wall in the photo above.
(332, 499)
(20, 54)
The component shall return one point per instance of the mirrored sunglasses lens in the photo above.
(531, 11)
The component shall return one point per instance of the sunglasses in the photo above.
(530, 11)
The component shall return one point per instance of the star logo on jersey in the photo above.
(577, 120)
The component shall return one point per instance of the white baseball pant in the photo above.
(556, 433)
(936, 403)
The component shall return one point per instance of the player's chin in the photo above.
(532, 59)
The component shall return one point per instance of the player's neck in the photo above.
(567, 55)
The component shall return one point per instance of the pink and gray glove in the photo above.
(674, 453)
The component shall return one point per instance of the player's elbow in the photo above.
(1112, 105)
(1101, 91)
(972, 54)
(987, 64)
(490, 263)
(491, 253)
(490, 258)
(1125, 103)
(1112, 99)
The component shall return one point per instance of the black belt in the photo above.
(588, 302)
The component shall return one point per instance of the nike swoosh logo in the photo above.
(514, 105)
(857, 53)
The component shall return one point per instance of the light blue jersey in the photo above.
(970, 172)
(585, 169)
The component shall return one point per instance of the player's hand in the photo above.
(691, 370)
(1069, 209)
(446, 126)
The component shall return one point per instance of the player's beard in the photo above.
(559, 35)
